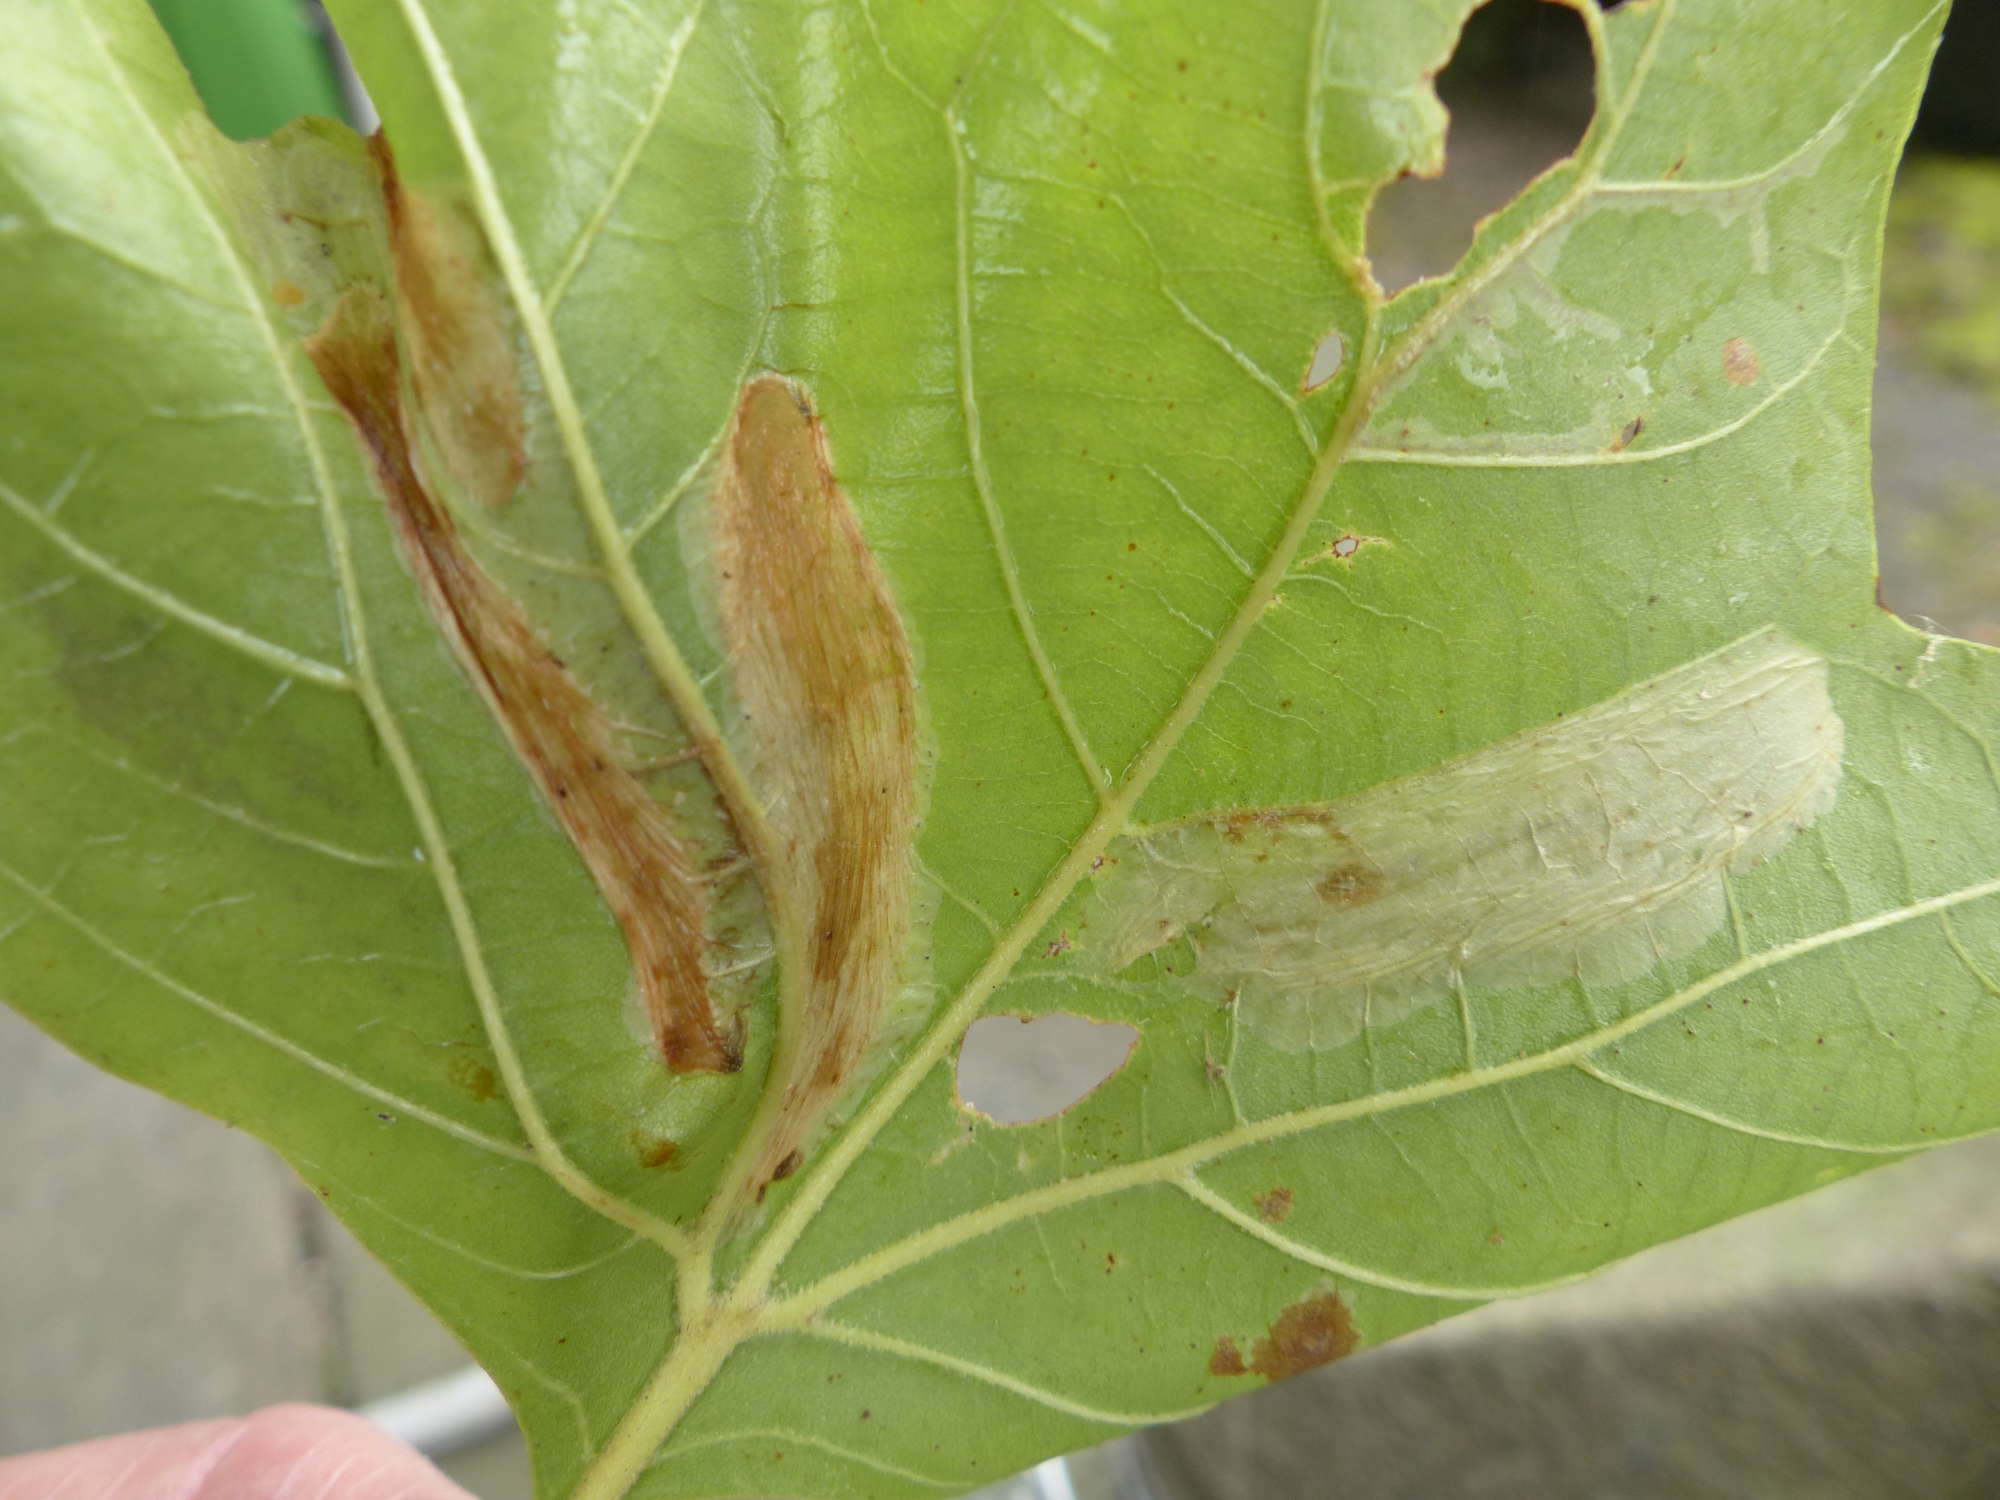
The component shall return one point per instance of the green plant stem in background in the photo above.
(255, 63)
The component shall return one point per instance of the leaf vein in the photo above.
(1192, 1185)
(1708, 1116)
(105, 944)
(923, 1244)
(586, 239)
(804, 1440)
(982, 478)
(1446, 459)
(245, 643)
(882, 1343)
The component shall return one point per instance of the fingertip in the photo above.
(298, 1451)
(315, 1451)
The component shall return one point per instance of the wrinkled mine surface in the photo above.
(821, 669)
(1594, 849)
(644, 871)
(457, 340)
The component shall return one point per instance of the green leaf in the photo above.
(1191, 534)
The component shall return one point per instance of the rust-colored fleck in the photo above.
(1239, 824)
(472, 1075)
(560, 734)
(458, 345)
(1058, 947)
(1351, 884)
(1308, 1334)
(1739, 362)
(1627, 434)
(655, 1151)
(287, 293)
(1275, 1206)
(1227, 1358)
(821, 668)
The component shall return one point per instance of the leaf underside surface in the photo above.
(957, 468)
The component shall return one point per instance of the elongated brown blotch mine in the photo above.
(458, 350)
(643, 869)
(821, 670)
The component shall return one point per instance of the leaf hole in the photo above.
(1520, 92)
(1016, 1070)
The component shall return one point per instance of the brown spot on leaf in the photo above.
(458, 344)
(475, 1077)
(1227, 1358)
(561, 735)
(1351, 884)
(1308, 1334)
(1240, 824)
(1275, 1206)
(287, 293)
(1739, 362)
(655, 1151)
(821, 667)
(1627, 434)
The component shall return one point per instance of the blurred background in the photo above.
(159, 1267)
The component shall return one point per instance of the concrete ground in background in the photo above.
(156, 1267)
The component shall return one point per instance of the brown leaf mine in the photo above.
(821, 669)
(1275, 1206)
(643, 869)
(1306, 1335)
(1313, 1331)
(455, 330)
(1593, 849)
(1739, 362)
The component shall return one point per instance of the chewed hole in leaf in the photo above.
(1329, 358)
(1015, 1070)
(1519, 92)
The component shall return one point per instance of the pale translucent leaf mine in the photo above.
(555, 672)
(1592, 850)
